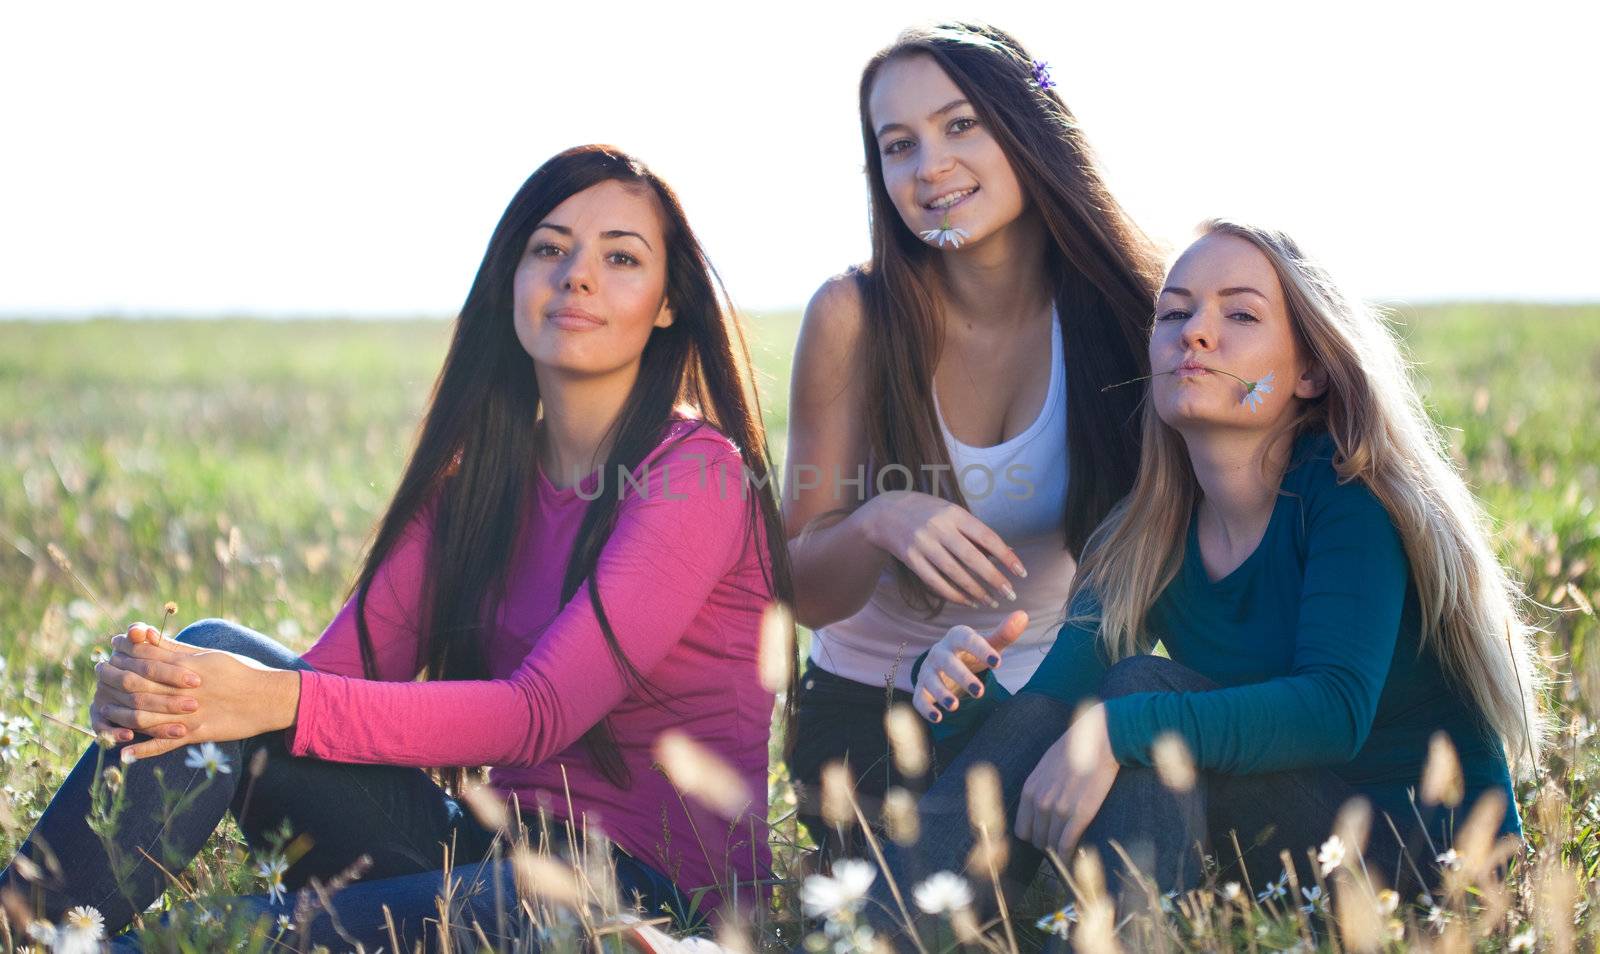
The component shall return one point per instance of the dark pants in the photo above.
(1165, 832)
(338, 812)
(841, 719)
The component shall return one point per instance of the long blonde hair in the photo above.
(1472, 616)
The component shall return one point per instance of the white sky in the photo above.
(352, 157)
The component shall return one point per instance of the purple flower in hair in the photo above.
(1041, 75)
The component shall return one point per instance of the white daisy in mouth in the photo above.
(946, 233)
(1254, 391)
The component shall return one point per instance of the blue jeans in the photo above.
(395, 816)
(1164, 832)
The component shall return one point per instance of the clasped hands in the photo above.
(179, 694)
(1071, 781)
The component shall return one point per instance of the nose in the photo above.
(577, 275)
(934, 163)
(1200, 331)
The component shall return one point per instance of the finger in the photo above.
(947, 695)
(150, 748)
(951, 568)
(157, 676)
(1060, 819)
(977, 653)
(976, 561)
(1025, 817)
(102, 728)
(958, 678)
(150, 723)
(168, 652)
(925, 572)
(979, 533)
(923, 701)
(1009, 630)
(154, 702)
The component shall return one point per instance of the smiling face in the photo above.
(591, 285)
(938, 159)
(1223, 308)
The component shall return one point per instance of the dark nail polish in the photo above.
(994, 660)
(975, 688)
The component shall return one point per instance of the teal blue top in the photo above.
(1315, 639)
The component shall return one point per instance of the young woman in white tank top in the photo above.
(995, 243)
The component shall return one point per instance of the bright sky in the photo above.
(352, 157)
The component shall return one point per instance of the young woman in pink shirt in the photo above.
(575, 561)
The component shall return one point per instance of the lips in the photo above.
(573, 319)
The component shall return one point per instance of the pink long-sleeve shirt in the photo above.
(683, 587)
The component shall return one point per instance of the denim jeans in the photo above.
(1164, 832)
(396, 816)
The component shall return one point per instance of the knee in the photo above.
(1146, 673)
(211, 634)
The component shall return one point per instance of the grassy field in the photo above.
(236, 468)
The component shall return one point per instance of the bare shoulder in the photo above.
(834, 317)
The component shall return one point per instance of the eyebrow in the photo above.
(608, 234)
(1238, 290)
(940, 111)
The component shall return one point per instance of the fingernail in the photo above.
(174, 732)
(127, 756)
(1021, 570)
(192, 681)
(949, 702)
(1011, 594)
(938, 716)
(994, 660)
(993, 605)
(976, 688)
(189, 705)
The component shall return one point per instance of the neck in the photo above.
(577, 418)
(1239, 473)
(1000, 280)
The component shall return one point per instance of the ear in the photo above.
(1313, 382)
(664, 317)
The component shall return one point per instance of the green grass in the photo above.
(236, 467)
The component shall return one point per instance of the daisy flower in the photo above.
(80, 931)
(1274, 889)
(1388, 901)
(1522, 941)
(13, 734)
(1314, 898)
(1231, 891)
(946, 233)
(1058, 923)
(208, 757)
(1449, 860)
(270, 870)
(944, 891)
(1254, 391)
(1331, 855)
(822, 896)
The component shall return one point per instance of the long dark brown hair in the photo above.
(1103, 271)
(475, 455)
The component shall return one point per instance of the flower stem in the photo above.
(1249, 385)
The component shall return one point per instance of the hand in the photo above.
(1068, 786)
(237, 697)
(940, 542)
(956, 663)
(142, 684)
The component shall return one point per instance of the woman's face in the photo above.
(938, 159)
(1223, 308)
(591, 285)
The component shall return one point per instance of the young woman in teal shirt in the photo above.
(1322, 582)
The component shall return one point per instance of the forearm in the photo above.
(835, 568)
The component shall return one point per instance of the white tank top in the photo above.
(1018, 489)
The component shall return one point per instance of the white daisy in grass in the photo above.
(1388, 901)
(946, 232)
(1231, 891)
(824, 896)
(208, 757)
(1274, 889)
(13, 735)
(270, 869)
(943, 892)
(1059, 922)
(80, 932)
(1331, 855)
